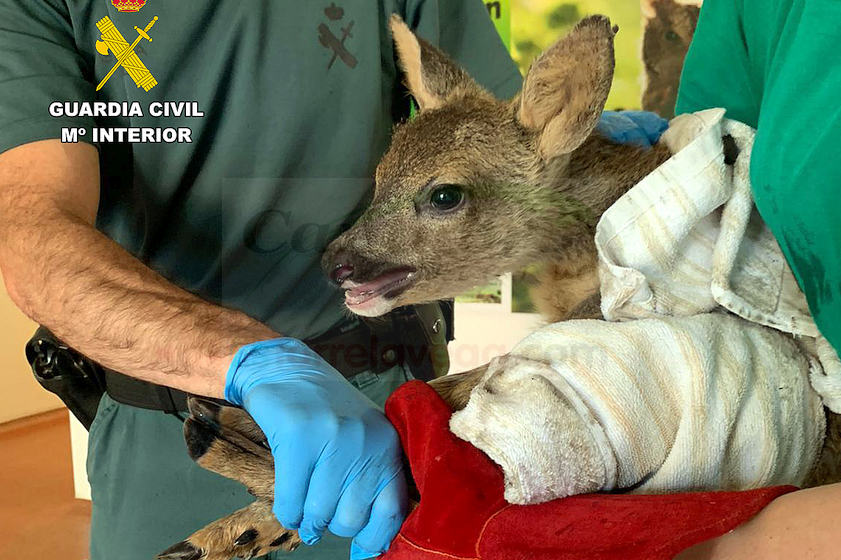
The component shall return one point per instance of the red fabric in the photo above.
(462, 512)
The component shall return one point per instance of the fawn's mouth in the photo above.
(369, 295)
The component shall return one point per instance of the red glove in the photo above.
(463, 515)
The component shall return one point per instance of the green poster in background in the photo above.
(527, 27)
(500, 12)
(536, 24)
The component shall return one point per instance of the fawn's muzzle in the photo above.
(340, 268)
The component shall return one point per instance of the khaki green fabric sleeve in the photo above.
(717, 71)
(39, 64)
(464, 30)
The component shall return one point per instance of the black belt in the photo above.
(415, 336)
(135, 392)
(408, 335)
(351, 350)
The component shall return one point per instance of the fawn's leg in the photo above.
(455, 389)
(246, 533)
(569, 289)
(225, 440)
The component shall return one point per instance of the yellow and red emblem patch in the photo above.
(128, 5)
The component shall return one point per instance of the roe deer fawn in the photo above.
(471, 188)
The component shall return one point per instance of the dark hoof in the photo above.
(247, 537)
(204, 409)
(180, 551)
(281, 539)
(199, 437)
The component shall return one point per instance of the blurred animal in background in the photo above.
(668, 26)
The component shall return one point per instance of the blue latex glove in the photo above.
(632, 127)
(338, 460)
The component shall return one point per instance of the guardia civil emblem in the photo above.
(114, 43)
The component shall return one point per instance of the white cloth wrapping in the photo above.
(695, 382)
(688, 239)
(665, 404)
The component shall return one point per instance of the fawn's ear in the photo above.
(431, 76)
(566, 88)
(647, 9)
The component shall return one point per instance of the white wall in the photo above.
(21, 395)
(484, 331)
(79, 447)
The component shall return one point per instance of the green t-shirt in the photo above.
(299, 99)
(773, 64)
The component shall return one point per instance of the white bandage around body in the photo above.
(708, 402)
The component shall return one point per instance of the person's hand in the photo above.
(338, 460)
(632, 127)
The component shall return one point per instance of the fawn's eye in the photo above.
(672, 36)
(446, 197)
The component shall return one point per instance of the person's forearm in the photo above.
(102, 301)
(801, 525)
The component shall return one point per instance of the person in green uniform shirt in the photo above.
(182, 263)
(772, 64)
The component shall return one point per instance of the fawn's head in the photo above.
(473, 187)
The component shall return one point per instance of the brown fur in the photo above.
(455, 389)
(828, 468)
(249, 532)
(434, 88)
(580, 278)
(668, 27)
(241, 459)
(227, 441)
(567, 88)
(569, 281)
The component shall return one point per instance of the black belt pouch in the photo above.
(76, 380)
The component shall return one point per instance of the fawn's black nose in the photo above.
(341, 268)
